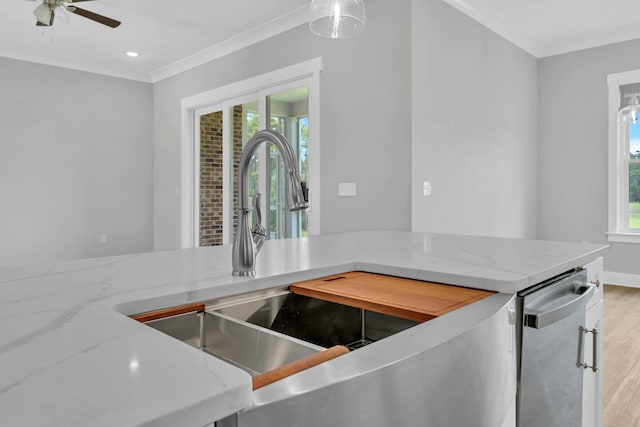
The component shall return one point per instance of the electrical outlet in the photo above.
(103, 239)
(426, 188)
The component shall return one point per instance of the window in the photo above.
(286, 101)
(624, 158)
(289, 114)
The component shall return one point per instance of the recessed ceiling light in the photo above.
(131, 54)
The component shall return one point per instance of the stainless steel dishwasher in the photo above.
(550, 335)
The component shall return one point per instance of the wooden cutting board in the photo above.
(406, 298)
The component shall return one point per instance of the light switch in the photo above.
(347, 189)
(426, 188)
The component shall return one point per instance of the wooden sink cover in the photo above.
(406, 298)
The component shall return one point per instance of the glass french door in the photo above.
(288, 113)
(223, 131)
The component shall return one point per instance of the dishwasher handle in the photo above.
(539, 319)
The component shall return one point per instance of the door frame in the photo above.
(192, 108)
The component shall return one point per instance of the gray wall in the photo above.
(75, 153)
(474, 127)
(75, 162)
(573, 148)
(365, 119)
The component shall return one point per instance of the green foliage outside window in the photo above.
(634, 191)
(278, 124)
(253, 125)
(634, 178)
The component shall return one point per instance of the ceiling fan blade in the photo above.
(94, 16)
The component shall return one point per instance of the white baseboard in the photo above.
(621, 279)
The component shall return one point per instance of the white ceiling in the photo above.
(550, 27)
(172, 36)
(162, 31)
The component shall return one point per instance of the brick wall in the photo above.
(211, 174)
(237, 153)
(211, 179)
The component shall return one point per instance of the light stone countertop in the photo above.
(68, 357)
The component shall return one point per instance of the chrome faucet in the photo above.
(247, 244)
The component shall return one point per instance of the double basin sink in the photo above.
(262, 331)
(277, 332)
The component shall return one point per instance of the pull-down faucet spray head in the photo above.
(245, 243)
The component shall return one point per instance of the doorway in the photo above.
(217, 125)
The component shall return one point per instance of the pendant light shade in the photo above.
(337, 19)
(629, 114)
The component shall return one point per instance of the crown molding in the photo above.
(267, 30)
(485, 15)
(589, 41)
(480, 12)
(141, 77)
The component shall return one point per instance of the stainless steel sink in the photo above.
(310, 319)
(264, 330)
(254, 349)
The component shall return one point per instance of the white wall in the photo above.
(474, 127)
(365, 119)
(573, 148)
(75, 162)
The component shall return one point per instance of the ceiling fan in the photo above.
(46, 12)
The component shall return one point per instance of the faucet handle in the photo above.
(305, 191)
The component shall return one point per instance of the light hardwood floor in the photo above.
(621, 374)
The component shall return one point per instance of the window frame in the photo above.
(618, 199)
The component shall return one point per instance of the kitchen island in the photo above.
(70, 356)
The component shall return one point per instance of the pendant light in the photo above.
(630, 112)
(337, 19)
